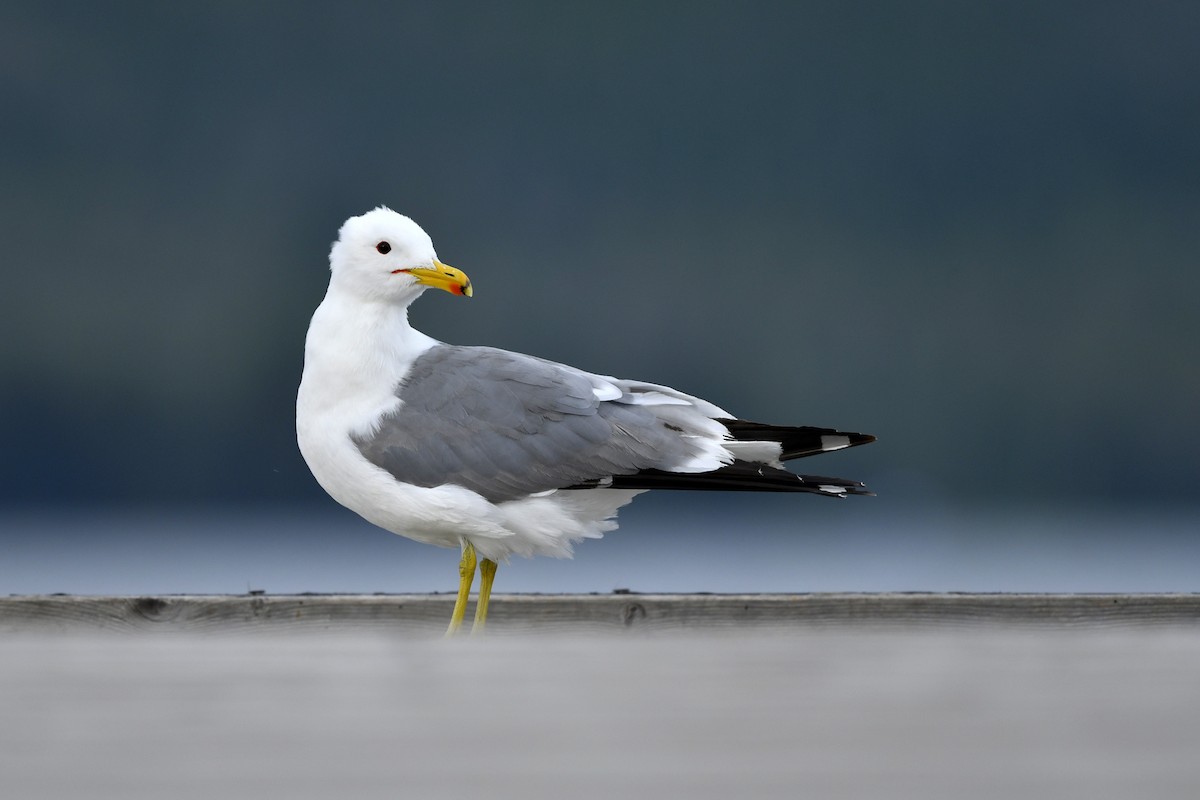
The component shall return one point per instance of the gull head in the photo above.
(385, 256)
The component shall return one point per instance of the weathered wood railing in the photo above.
(613, 612)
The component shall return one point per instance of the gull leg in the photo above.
(487, 574)
(466, 572)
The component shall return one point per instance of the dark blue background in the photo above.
(970, 229)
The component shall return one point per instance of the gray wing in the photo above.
(507, 425)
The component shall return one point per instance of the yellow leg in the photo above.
(487, 574)
(466, 572)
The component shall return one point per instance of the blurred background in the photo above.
(972, 230)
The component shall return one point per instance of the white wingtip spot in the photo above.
(827, 489)
(834, 443)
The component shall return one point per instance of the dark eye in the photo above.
(384, 248)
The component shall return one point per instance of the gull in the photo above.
(494, 452)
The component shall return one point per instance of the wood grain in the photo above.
(615, 612)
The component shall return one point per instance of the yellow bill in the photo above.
(442, 276)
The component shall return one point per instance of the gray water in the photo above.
(666, 543)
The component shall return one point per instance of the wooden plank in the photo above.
(991, 713)
(615, 612)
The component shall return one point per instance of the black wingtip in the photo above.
(740, 476)
(795, 441)
(836, 487)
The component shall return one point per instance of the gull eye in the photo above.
(384, 248)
